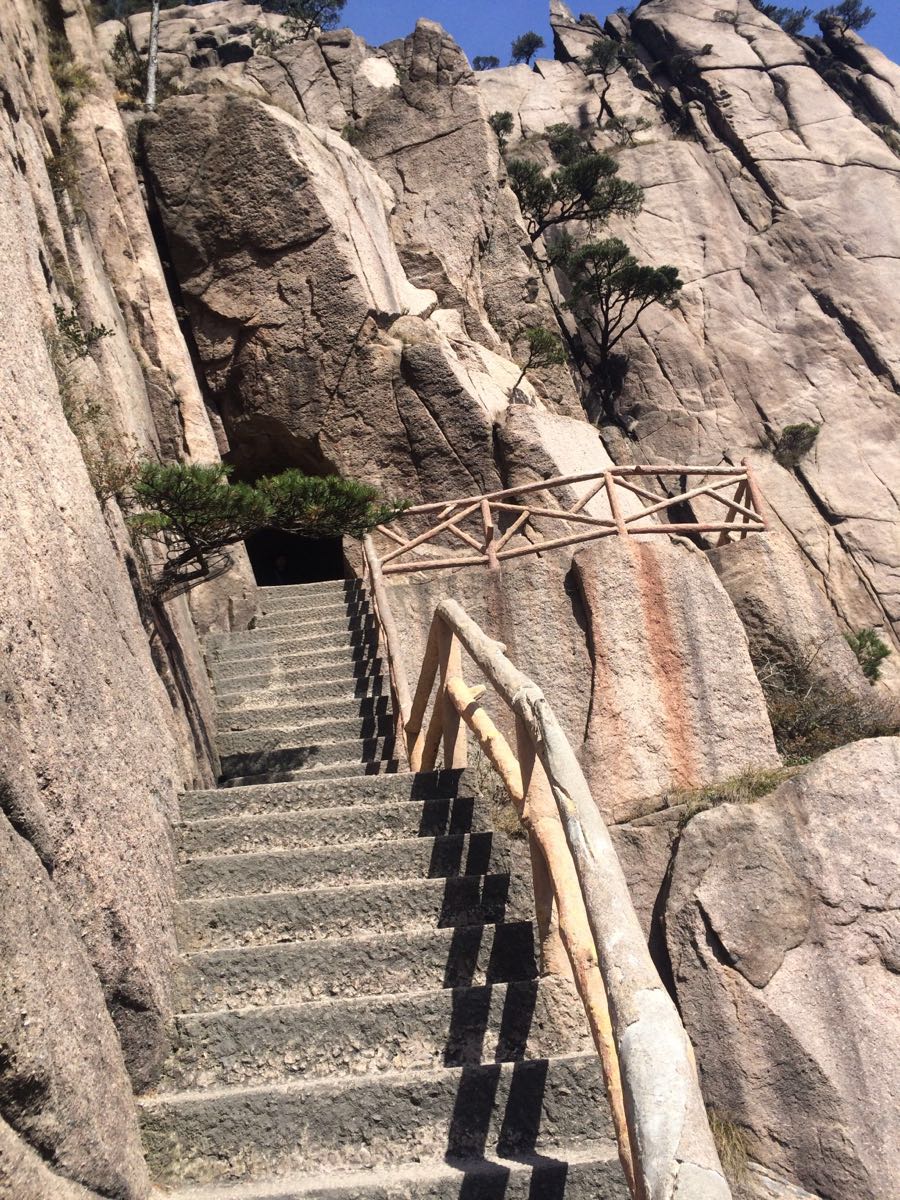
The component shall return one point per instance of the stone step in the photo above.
(275, 601)
(260, 741)
(337, 866)
(401, 907)
(295, 972)
(293, 593)
(326, 605)
(589, 1172)
(295, 716)
(335, 770)
(506, 1108)
(367, 825)
(267, 646)
(291, 759)
(227, 646)
(296, 687)
(328, 620)
(263, 799)
(446, 1027)
(295, 669)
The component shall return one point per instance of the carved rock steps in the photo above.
(360, 1009)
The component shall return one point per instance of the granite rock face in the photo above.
(101, 726)
(356, 277)
(65, 1092)
(777, 206)
(782, 929)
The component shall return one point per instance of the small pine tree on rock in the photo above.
(844, 17)
(791, 20)
(502, 125)
(544, 349)
(526, 46)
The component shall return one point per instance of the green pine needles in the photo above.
(870, 650)
(196, 515)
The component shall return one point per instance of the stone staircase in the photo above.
(360, 1014)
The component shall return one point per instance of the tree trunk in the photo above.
(152, 56)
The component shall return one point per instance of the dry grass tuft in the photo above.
(734, 1151)
(740, 789)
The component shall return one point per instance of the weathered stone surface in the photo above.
(64, 1089)
(644, 847)
(25, 1175)
(674, 700)
(100, 728)
(771, 287)
(786, 615)
(784, 942)
(347, 368)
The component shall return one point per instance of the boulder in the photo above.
(783, 934)
(96, 746)
(318, 349)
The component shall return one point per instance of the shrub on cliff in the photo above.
(811, 716)
(502, 125)
(305, 16)
(543, 349)
(870, 651)
(794, 443)
(197, 516)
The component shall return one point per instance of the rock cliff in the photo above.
(104, 710)
(344, 282)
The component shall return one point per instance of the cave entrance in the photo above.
(283, 558)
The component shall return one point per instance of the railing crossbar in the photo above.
(565, 480)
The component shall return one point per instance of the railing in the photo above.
(583, 907)
(502, 527)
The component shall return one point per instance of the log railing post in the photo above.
(489, 531)
(415, 738)
(755, 494)
(554, 960)
(450, 666)
(389, 637)
(739, 498)
(614, 507)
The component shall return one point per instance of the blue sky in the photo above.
(488, 27)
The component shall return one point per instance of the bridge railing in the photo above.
(487, 530)
(582, 903)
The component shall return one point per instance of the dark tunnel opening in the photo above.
(280, 558)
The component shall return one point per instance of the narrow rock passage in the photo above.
(360, 1009)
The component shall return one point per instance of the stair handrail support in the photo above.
(664, 1138)
(389, 638)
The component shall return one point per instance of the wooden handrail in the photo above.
(744, 515)
(387, 626)
(663, 1134)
